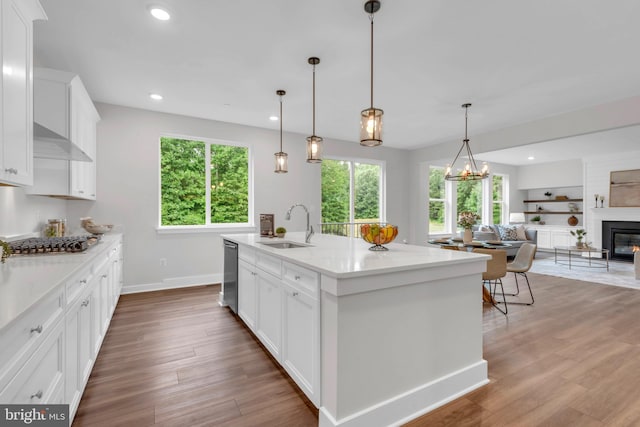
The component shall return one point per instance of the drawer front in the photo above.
(269, 264)
(247, 254)
(21, 339)
(301, 278)
(77, 285)
(41, 378)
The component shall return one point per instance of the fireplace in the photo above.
(620, 237)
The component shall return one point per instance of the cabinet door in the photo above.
(301, 341)
(269, 324)
(544, 239)
(16, 144)
(247, 293)
(560, 238)
(96, 320)
(79, 352)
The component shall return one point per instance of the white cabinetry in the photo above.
(62, 105)
(279, 302)
(550, 236)
(47, 354)
(301, 328)
(16, 110)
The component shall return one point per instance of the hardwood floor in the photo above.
(177, 358)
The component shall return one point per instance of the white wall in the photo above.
(128, 190)
(21, 214)
(566, 173)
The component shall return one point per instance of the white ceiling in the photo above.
(515, 60)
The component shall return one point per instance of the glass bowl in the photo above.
(378, 235)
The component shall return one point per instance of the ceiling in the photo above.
(516, 61)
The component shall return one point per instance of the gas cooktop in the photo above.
(52, 245)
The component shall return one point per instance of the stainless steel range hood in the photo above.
(49, 145)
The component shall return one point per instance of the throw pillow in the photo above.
(520, 233)
(485, 229)
(507, 232)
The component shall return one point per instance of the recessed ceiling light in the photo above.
(531, 158)
(155, 96)
(273, 118)
(159, 13)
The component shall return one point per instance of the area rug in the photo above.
(619, 274)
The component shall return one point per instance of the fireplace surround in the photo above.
(620, 237)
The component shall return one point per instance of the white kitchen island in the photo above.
(383, 338)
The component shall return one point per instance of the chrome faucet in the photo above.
(309, 232)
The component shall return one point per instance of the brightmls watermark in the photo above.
(34, 415)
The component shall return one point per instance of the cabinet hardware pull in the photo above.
(85, 302)
(104, 276)
(12, 170)
(37, 329)
(81, 191)
(296, 277)
(37, 394)
(295, 294)
(83, 281)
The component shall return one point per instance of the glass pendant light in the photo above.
(470, 171)
(371, 118)
(281, 157)
(314, 143)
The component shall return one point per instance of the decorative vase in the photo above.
(579, 244)
(281, 235)
(467, 236)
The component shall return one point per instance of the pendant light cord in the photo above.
(314, 99)
(371, 19)
(281, 123)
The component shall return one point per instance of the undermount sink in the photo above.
(285, 245)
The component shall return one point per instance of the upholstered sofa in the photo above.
(508, 234)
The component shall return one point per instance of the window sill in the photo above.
(187, 229)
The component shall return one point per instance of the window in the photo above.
(204, 183)
(436, 200)
(498, 199)
(352, 191)
(469, 197)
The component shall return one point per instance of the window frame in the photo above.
(446, 206)
(208, 226)
(382, 206)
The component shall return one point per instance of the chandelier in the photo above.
(470, 172)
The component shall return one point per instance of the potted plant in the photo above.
(5, 251)
(579, 234)
(548, 194)
(280, 231)
(536, 219)
(467, 220)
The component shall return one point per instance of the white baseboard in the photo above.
(174, 283)
(405, 407)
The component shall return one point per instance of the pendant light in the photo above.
(281, 157)
(314, 143)
(371, 118)
(470, 171)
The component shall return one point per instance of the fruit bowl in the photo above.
(93, 228)
(378, 234)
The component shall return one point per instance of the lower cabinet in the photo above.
(269, 324)
(247, 293)
(279, 302)
(301, 339)
(552, 236)
(53, 346)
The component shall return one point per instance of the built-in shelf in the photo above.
(553, 212)
(553, 200)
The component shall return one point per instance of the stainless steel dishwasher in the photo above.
(230, 280)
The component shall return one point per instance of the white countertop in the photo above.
(26, 279)
(343, 257)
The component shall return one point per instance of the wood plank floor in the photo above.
(176, 358)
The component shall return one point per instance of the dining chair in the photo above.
(520, 266)
(496, 270)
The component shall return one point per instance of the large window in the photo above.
(203, 183)
(352, 191)
(436, 200)
(498, 199)
(469, 196)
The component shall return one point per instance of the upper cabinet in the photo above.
(63, 107)
(16, 110)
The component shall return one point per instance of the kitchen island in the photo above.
(373, 338)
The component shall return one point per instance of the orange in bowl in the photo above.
(378, 235)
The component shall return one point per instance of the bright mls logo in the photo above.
(34, 415)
